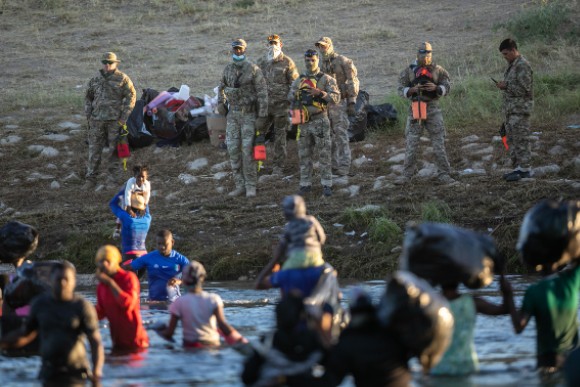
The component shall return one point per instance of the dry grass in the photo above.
(51, 48)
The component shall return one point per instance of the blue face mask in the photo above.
(238, 58)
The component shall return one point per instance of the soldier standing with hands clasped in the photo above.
(344, 72)
(244, 88)
(109, 100)
(279, 71)
(424, 82)
(518, 102)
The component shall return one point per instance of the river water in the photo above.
(506, 359)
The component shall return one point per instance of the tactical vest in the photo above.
(302, 95)
(420, 75)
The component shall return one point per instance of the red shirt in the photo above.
(123, 311)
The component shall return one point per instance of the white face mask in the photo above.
(274, 51)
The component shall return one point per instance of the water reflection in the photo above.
(505, 359)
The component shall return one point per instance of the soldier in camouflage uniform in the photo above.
(279, 71)
(244, 88)
(518, 101)
(314, 91)
(344, 72)
(109, 101)
(425, 81)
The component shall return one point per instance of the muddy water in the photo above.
(505, 359)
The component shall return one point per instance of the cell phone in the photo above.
(494, 81)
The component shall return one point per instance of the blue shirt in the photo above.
(303, 280)
(160, 269)
(133, 230)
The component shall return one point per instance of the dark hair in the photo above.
(62, 266)
(508, 44)
(140, 168)
(164, 233)
(311, 53)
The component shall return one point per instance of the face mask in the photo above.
(238, 58)
(326, 54)
(424, 59)
(311, 66)
(273, 52)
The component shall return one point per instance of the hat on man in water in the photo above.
(325, 40)
(239, 43)
(138, 202)
(193, 274)
(110, 57)
(109, 253)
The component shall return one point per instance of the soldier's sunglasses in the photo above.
(107, 62)
(424, 52)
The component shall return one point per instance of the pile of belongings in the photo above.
(171, 117)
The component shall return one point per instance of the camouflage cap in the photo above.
(325, 40)
(110, 57)
(425, 48)
(239, 43)
(274, 38)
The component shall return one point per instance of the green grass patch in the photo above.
(546, 22)
(435, 211)
(55, 98)
(384, 230)
(361, 217)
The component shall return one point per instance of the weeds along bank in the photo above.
(52, 48)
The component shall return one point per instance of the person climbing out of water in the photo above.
(201, 313)
(549, 240)
(164, 266)
(118, 300)
(461, 358)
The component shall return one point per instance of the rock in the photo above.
(172, 197)
(369, 208)
(243, 278)
(38, 176)
(342, 180)
(360, 161)
(429, 170)
(534, 138)
(353, 190)
(483, 151)
(546, 170)
(72, 177)
(220, 175)
(428, 150)
(424, 139)
(51, 166)
(220, 166)
(381, 183)
(11, 126)
(556, 150)
(398, 168)
(56, 137)
(267, 178)
(335, 224)
(472, 172)
(54, 185)
(470, 146)
(220, 190)
(496, 139)
(197, 164)
(396, 249)
(69, 125)
(397, 158)
(187, 179)
(368, 146)
(74, 132)
(9, 140)
(46, 151)
(487, 157)
(472, 138)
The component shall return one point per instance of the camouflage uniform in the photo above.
(433, 124)
(279, 74)
(344, 72)
(518, 102)
(109, 99)
(243, 86)
(315, 134)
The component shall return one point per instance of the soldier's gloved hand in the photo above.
(260, 124)
(260, 140)
(221, 109)
(350, 109)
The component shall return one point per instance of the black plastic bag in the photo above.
(379, 115)
(139, 136)
(17, 240)
(418, 316)
(445, 254)
(358, 123)
(550, 234)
